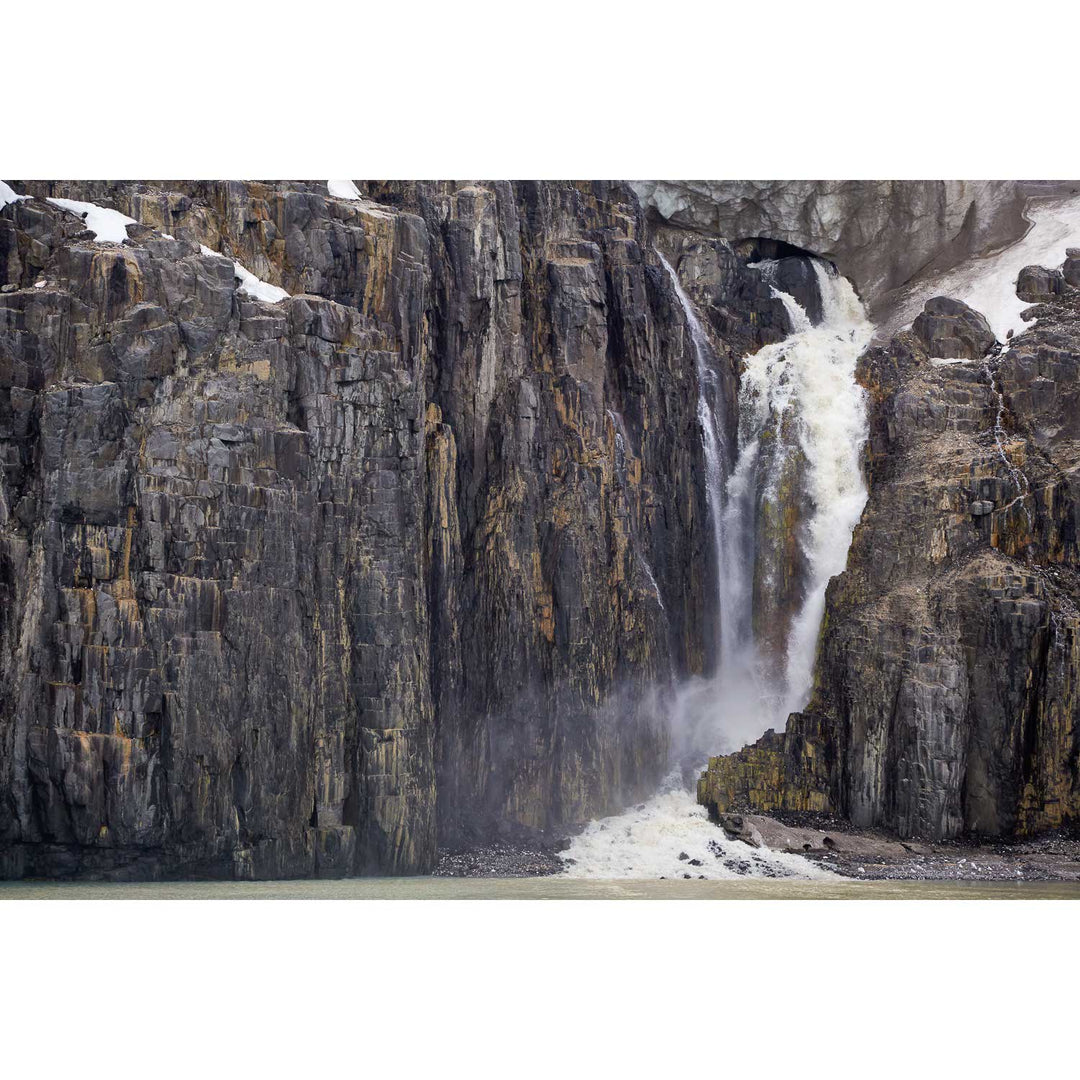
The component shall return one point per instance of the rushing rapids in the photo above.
(782, 516)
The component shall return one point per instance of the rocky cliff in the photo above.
(945, 699)
(335, 527)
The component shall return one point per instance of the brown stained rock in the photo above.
(291, 589)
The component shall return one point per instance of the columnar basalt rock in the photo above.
(417, 553)
(214, 646)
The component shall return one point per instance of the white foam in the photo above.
(810, 374)
(813, 373)
(832, 432)
(646, 842)
(108, 226)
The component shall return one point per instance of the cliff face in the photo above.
(214, 638)
(945, 698)
(415, 552)
(406, 543)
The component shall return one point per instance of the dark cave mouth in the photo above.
(760, 248)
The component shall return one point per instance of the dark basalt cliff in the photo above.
(945, 699)
(416, 553)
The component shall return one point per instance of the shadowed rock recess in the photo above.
(413, 555)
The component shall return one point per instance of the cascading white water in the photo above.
(806, 383)
(813, 371)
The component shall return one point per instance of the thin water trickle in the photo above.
(709, 417)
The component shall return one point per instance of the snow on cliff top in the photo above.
(250, 285)
(343, 189)
(9, 196)
(108, 226)
(988, 283)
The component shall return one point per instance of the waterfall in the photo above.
(781, 515)
(802, 420)
(802, 423)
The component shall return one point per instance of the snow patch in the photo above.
(346, 189)
(108, 226)
(250, 285)
(7, 195)
(343, 189)
(988, 283)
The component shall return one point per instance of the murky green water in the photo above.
(550, 888)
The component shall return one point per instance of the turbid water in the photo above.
(548, 888)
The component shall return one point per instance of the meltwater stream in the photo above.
(801, 414)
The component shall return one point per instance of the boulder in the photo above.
(1071, 270)
(950, 329)
(1037, 285)
(737, 827)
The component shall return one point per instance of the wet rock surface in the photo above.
(397, 573)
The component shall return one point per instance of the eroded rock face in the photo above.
(295, 588)
(945, 698)
(416, 554)
(214, 642)
(880, 233)
(948, 328)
